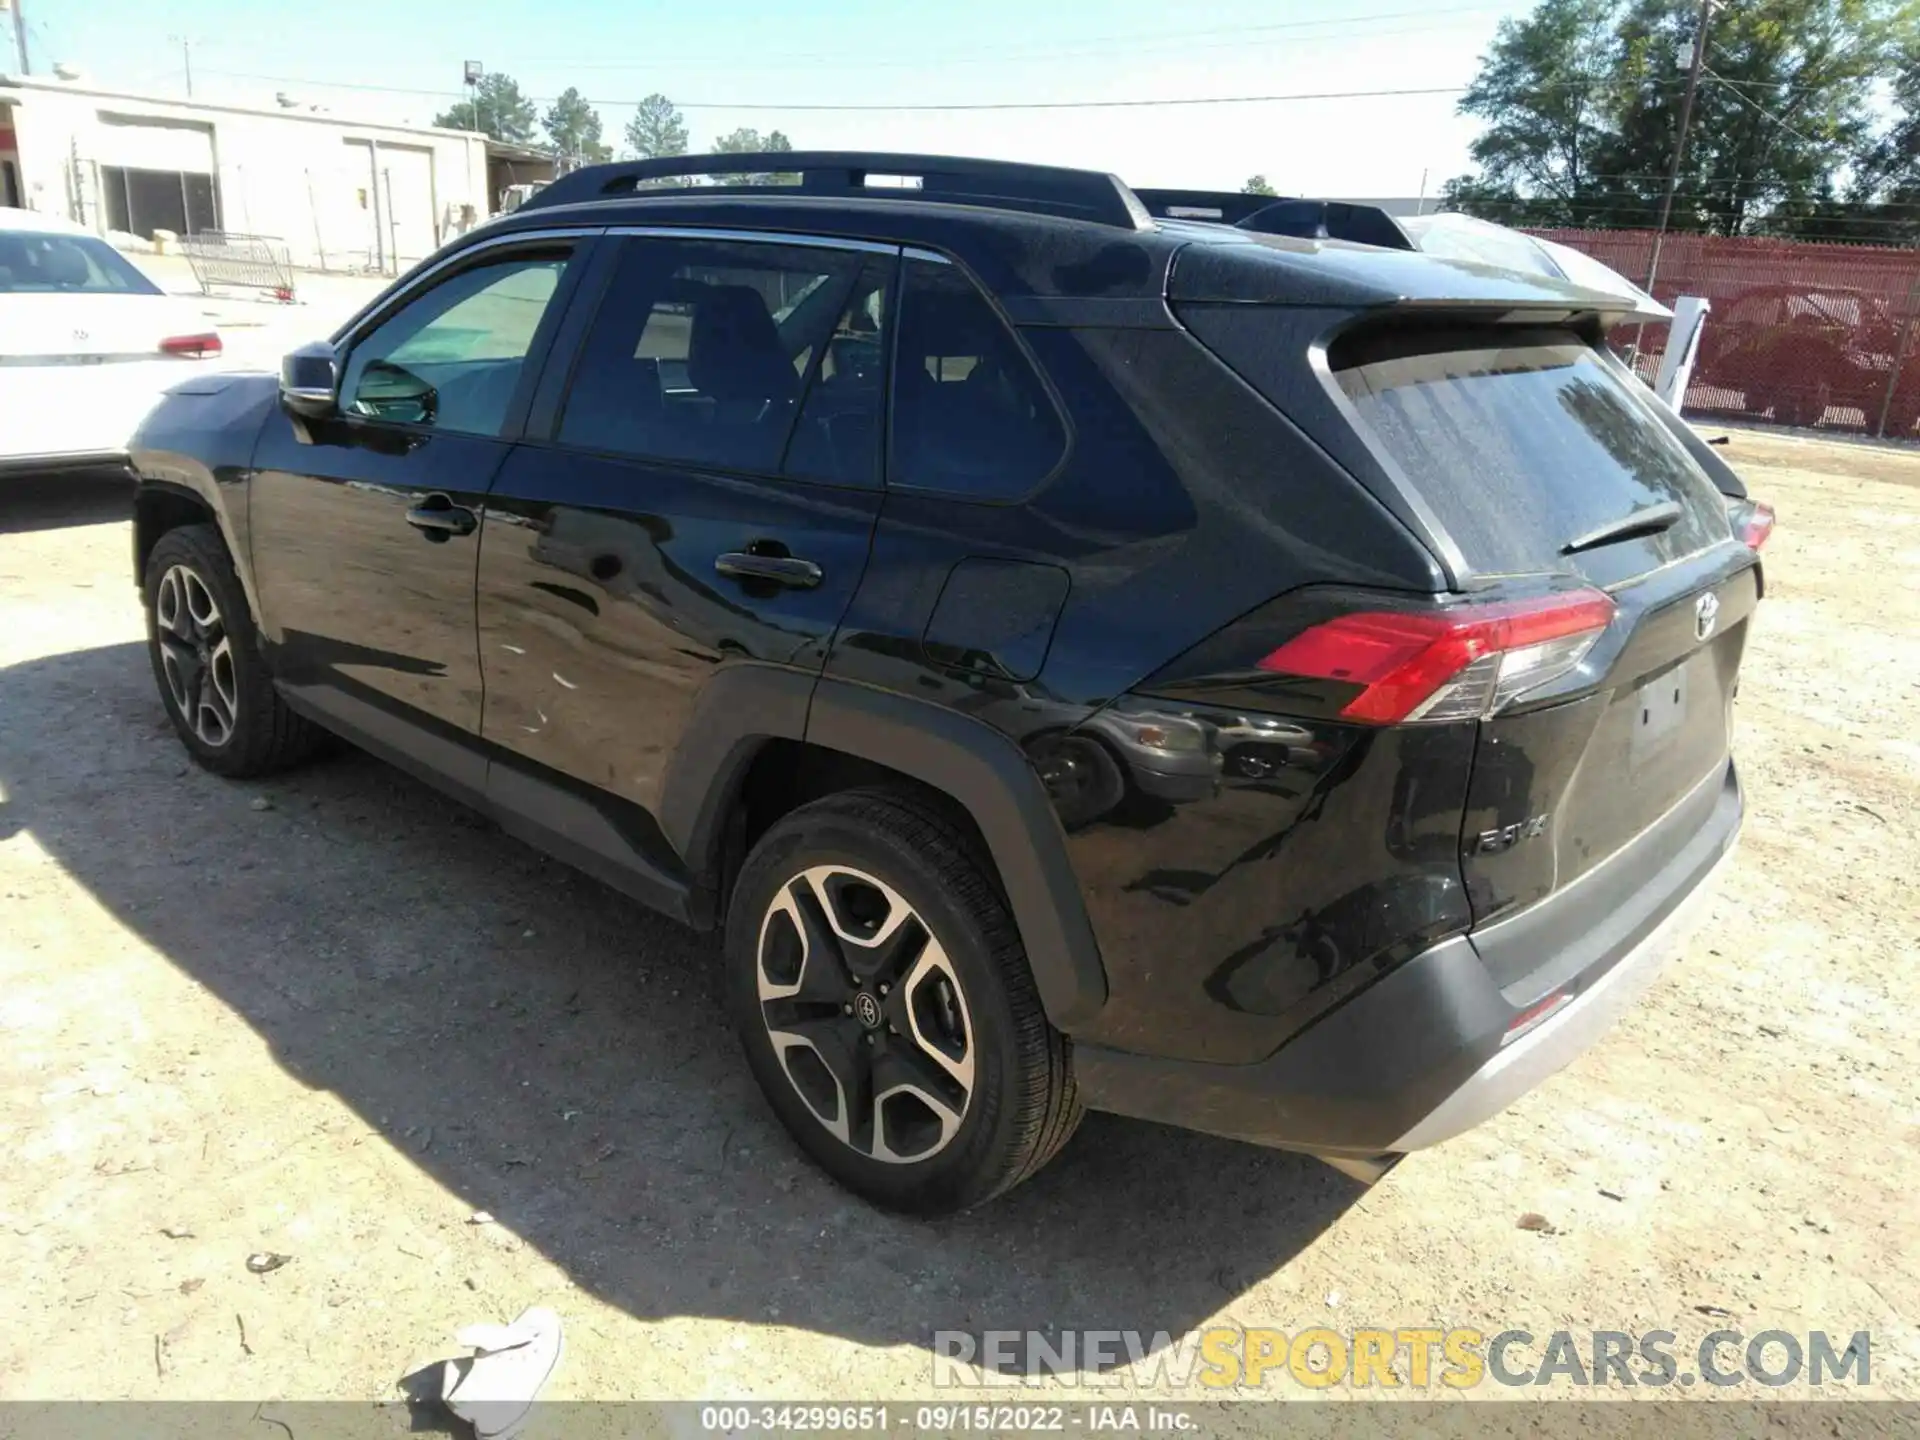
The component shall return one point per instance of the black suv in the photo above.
(1078, 653)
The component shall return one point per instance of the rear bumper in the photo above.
(79, 410)
(1418, 1057)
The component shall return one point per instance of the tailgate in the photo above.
(1635, 765)
(1535, 466)
(1542, 462)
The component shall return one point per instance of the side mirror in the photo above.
(310, 381)
(392, 392)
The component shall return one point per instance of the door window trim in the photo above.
(474, 257)
(415, 281)
(548, 404)
(763, 237)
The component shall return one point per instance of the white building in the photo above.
(339, 193)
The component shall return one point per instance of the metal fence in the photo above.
(226, 260)
(1800, 334)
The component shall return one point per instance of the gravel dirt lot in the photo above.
(332, 1016)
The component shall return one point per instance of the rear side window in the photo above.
(1521, 441)
(702, 352)
(32, 263)
(970, 415)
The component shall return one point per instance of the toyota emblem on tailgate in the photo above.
(1706, 614)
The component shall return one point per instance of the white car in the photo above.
(87, 345)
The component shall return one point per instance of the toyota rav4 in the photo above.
(1076, 655)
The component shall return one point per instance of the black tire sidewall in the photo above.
(972, 1164)
(200, 549)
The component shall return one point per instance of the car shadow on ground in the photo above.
(556, 1054)
(55, 501)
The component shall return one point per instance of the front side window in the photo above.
(703, 351)
(452, 358)
(970, 415)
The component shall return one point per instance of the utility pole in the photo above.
(1680, 138)
(20, 37)
(186, 58)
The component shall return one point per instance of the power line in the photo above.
(945, 62)
(1182, 100)
(1762, 110)
(1001, 53)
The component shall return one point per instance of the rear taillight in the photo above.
(193, 347)
(1752, 521)
(1459, 663)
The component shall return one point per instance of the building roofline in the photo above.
(34, 83)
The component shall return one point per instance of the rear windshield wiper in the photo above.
(1650, 520)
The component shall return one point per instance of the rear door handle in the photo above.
(437, 517)
(773, 569)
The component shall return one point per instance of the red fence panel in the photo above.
(1801, 333)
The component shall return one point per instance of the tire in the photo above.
(206, 660)
(926, 1005)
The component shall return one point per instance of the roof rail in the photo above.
(1000, 184)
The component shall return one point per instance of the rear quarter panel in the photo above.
(1185, 501)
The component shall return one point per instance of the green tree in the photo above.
(656, 129)
(1541, 94)
(496, 108)
(1257, 185)
(1782, 111)
(748, 141)
(1884, 193)
(573, 128)
(1581, 100)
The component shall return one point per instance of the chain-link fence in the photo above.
(1800, 334)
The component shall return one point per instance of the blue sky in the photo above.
(732, 54)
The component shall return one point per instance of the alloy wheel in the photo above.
(196, 655)
(866, 1014)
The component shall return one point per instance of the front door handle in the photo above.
(772, 569)
(437, 517)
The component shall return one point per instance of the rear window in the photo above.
(66, 264)
(1522, 440)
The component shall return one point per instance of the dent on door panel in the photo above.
(602, 618)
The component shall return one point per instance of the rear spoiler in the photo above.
(1265, 215)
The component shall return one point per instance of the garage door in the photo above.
(407, 178)
(156, 175)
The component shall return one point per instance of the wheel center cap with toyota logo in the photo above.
(866, 1010)
(1706, 615)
